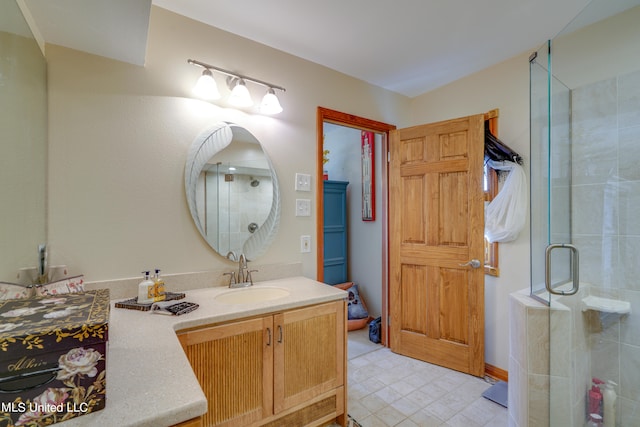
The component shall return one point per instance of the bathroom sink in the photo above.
(249, 295)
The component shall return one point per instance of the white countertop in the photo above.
(149, 379)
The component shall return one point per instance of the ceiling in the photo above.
(407, 46)
(115, 28)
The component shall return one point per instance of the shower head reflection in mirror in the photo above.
(230, 183)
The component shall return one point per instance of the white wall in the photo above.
(504, 86)
(119, 136)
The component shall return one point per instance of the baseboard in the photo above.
(495, 372)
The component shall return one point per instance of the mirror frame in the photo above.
(206, 145)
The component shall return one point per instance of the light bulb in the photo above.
(240, 96)
(206, 86)
(270, 103)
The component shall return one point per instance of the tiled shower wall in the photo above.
(605, 206)
(238, 205)
(605, 225)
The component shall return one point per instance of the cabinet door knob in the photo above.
(279, 333)
(268, 336)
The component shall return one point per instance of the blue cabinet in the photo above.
(335, 232)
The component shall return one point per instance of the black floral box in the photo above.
(53, 355)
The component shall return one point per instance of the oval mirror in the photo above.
(232, 191)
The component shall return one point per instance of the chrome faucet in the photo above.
(243, 277)
(242, 269)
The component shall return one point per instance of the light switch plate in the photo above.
(303, 182)
(303, 207)
(305, 244)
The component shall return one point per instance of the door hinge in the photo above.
(388, 156)
(388, 320)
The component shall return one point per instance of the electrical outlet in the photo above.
(303, 182)
(305, 244)
(303, 207)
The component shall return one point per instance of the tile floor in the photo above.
(387, 389)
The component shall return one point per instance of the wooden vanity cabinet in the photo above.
(287, 368)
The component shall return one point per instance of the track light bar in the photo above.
(240, 96)
(236, 75)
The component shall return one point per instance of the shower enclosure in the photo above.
(237, 200)
(585, 210)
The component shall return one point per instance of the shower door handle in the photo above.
(575, 261)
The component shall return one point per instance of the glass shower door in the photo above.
(550, 179)
(554, 258)
(585, 187)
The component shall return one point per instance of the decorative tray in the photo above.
(133, 303)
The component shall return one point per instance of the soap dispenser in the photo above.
(594, 397)
(145, 289)
(609, 404)
(594, 420)
(158, 287)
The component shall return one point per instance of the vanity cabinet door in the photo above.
(309, 356)
(234, 365)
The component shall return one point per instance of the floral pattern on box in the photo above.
(59, 287)
(80, 316)
(14, 291)
(53, 353)
(56, 404)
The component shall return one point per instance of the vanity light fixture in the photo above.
(206, 86)
(240, 97)
(270, 103)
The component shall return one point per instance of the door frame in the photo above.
(332, 116)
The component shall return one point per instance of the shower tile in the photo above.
(629, 202)
(518, 393)
(598, 260)
(594, 108)
(594, 209)
(629, 412)
(517, 317)
(629, 99)
(595, 158)
(629, 265)
(538, 340)
(630, 366)
(630, 323)
(538, 402)
(561, 208)
(560, 401)
(557, 349)
(605, 360)
(578, 412)
(628, 153)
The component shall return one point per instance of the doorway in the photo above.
(330, 119)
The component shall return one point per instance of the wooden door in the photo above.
(234, 365)
(308, 354)
(436, 226)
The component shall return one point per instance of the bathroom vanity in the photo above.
(285, 368)
(273, 354)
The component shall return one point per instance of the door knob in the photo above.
(474, 263)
